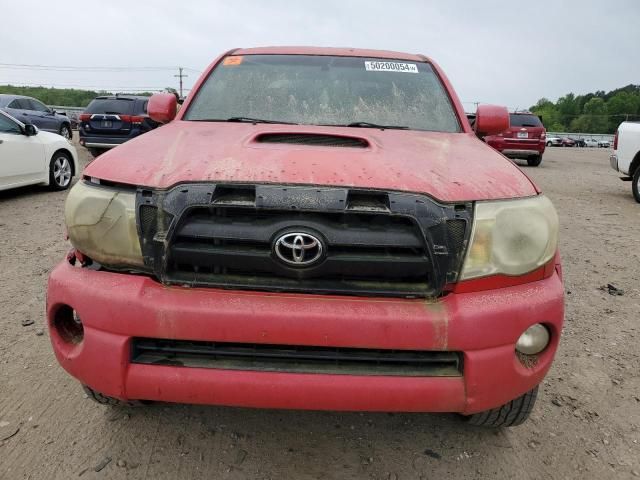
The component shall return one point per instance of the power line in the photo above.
(71, 85)
(77, 68)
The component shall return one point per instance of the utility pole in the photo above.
(181, 76)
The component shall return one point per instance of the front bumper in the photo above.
(613, 161)
(484, 326)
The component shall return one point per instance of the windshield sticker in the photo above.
(233, 60)
(390, 67)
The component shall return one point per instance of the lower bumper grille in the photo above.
(296, 359)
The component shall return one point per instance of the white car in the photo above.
(626, 155)
(29, 156)
(553, 140)
(590, 142)
(604, 143)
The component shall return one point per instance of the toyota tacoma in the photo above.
(316, 228)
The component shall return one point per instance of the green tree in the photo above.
(594, 119)
(549, 114)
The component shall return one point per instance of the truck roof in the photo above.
(339, 52)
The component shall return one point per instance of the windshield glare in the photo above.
(325, 90)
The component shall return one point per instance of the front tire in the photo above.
(65, 131)
(635, 185)
(60, 171)
(548, 144)
(534, 161)
(511, 414)
(110, 401)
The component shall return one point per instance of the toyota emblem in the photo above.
(298, 249)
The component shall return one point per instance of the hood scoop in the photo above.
(313, 139)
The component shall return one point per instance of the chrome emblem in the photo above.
(298, 249)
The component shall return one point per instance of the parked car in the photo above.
(604, 143)
(568, 142)
(626, 155)
(30, 156)
(578, 142)
(278, 245)
(109, 121)
(525, 138)
(553, 141)
(590, 142)
(31, 111)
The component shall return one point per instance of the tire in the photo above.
(95, 152)
(511, 414)
(548, 144)
(534, 161)
(635, 185)
(109, 401)
(60, 171)
(65, 131)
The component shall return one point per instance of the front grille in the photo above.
(365, 253)
(313, 139)
(373, 243)
(295, 358)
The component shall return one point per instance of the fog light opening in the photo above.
(68, 325)
(533, 340)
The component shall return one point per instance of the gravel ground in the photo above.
(585, 425)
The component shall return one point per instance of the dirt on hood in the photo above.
(448, 166)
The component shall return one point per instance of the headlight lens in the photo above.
(511, 237)
(101, 223)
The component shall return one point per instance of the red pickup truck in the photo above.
(316, 228)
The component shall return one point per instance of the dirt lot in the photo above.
(586, 423)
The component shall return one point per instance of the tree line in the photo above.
(67, 97)
(597, 112)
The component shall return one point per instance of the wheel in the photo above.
(511, 414)
(65, 131)
(95, 152)
(635, 185)
(534, 161)
(60, 171)
(110, 401)
(548, 144)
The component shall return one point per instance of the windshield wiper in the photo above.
(373, 125)
(256, 120)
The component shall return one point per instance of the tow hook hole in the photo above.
(68, 325)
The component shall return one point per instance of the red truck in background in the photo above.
(316, 228)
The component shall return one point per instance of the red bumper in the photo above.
(513, 147)
(483, 325)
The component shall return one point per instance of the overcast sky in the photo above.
(505, 52)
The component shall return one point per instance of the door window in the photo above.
(38, 106)
(7, 126)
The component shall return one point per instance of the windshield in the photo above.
(325, 90)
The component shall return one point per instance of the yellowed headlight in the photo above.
(101, 223)
(511, 237)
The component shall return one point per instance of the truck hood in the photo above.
(450, 167)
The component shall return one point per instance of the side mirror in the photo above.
(30, 130)
(162, 107)
(491, 120)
